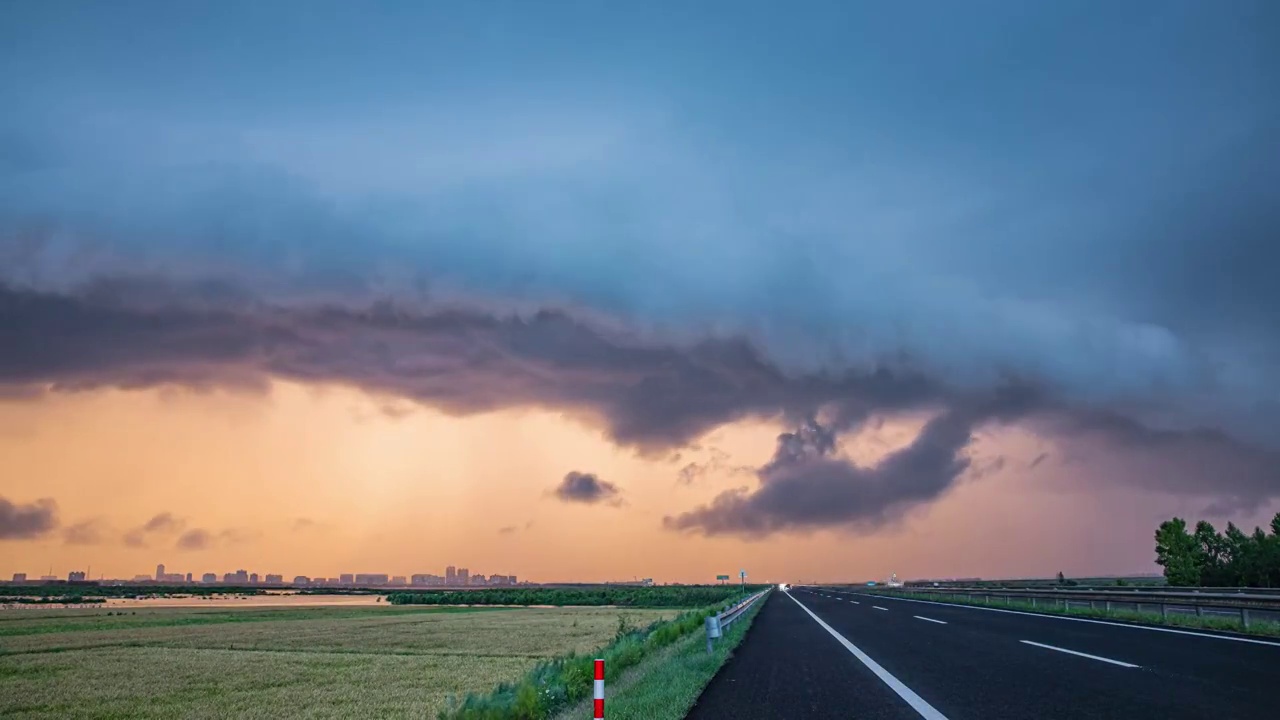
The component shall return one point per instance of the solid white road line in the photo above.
(1152, 628)
(918, 703)
(880, 608)
(940, 622)
(855, 602)
(1084, 655)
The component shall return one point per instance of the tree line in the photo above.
(1208, 558)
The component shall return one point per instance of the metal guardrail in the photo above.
(717, 624)
(996, 587)
(1201, 603)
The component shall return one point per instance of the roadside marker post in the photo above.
(599, 695)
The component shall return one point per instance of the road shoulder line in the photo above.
(917, 703)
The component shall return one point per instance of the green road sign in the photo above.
(722, 577)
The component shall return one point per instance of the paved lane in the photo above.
(971, 663)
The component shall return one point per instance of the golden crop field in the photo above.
(307, 662)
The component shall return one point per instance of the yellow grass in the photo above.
(353, 662)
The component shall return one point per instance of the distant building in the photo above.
(75, 576)
(49, 578)
(253, 578)
(239, 577)
(142, 578)
(347, 579)
(160, 572)
(463, 575)
(302, 580)
(209, 578)
(450, 575)
(477, 579)
(511, 579)
(371, 579)
(19, 577)
(399, 581)
(274, 580)
(188, 577)
(426, 580)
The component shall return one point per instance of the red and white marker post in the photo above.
(599, 714)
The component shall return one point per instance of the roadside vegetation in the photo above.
(673, 596)
(557, 685)
(1207, 622)
(1209, 558)
(666, 686)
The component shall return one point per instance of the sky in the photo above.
(596, 291)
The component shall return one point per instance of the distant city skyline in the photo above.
(452, 577)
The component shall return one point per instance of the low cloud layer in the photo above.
(85, 532)
(28, 520)
(160, 524)
(586, 488)
(195, 539)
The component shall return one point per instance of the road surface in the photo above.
(825, 653)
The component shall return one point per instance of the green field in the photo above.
(313, 662)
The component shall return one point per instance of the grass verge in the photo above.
(665, 686)
(1264, 628)
(558, 685)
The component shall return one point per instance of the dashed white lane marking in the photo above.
(927, 711)
(920, 617)
(1151, 628)
(1080, 654)
(880, 608)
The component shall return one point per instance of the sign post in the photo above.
(742, 575)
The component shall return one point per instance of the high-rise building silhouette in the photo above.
(450, 575)
(463, 576)
(160, 572)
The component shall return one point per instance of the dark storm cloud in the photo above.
(682, 249)
(27, 521)
(651, 395)
(807, 486)
(579, 487)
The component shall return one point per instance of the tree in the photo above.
(1178, 553)
(1062, 579)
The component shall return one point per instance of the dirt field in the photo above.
(298, 662)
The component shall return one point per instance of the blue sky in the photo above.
(1078, 196)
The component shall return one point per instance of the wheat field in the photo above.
(365, 662)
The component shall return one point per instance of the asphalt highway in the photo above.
(816, 652)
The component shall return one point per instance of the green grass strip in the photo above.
(667, 686)
(555, 685)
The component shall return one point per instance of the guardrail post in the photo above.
(1108, 606)
(1164, 611)
(713, 630)
(1244, 617)
(599, 691)
(1033, 602)
(1199, 611)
